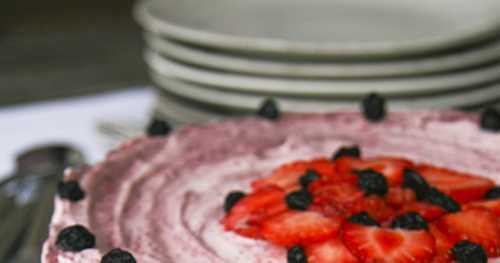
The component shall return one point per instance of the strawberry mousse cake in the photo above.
(361, 186)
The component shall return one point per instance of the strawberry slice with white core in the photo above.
(384, 245)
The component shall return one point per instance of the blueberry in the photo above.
(468, 252)
(117, 255)
(436, 197)
(410, 221)
(158, 128)
(490, 120)
(372, 182)
(309, 177)
(493, 193)
(363, 218)
(299, 200)
(75, 239)
(70, 190)
(413, 180)
(296, 254)
(269, 109)
(373, 107)
(232, 199)
(350, 151)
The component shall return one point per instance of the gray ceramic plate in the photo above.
(343, 28)
(250, 101)
(353, 88)
(217, 60)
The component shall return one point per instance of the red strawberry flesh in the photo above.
(293, 227)
(330, 251)
(383, 245)
(462, 187)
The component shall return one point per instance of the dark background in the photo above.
(58, 48)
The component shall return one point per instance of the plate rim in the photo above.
(250, 102)
(469, 58)
(276, 46)
(391, 87)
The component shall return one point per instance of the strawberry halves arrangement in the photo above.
(387, 209)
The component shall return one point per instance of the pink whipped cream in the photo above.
(161, 198)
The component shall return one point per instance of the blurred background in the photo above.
(77, 78)
(54, 49)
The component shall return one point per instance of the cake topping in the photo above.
(231, 199)
(493, 193)
(296, 254)
(347, 151)
(118, 255)
(373, 107)
(158, 127)
(478, 225)
(378, 209)
(490, 120)
(372, 182)
(378, 244)
(363, 218)
(269, 109)
(410, 221)
(309, 177)
(462, 187)
(299, 227)
(332, 250)
(469, 252)
(390, 167)
(413, 180)
(299, 200)
(245, 216)
(70, 190)
(436, 197)
(75, 239)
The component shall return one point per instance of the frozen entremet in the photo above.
(369, 186)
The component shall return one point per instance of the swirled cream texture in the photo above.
(161, 198)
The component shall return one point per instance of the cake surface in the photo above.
(161, 198)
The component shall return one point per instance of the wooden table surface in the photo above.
(55, 48)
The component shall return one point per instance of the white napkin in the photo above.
(71, 121)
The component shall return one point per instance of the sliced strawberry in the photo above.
(441, 259)
(375, 244)
(345, 199)
(375, 206)
(397, 197)
(293, 227)
(287, 176)
(428, 211)
(331, 192)
(330, 251)
(461, 186)
(391, 167)
(492, 205)
(443, 245)
(478, 225)
(246, 215)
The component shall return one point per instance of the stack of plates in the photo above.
(211, 59)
